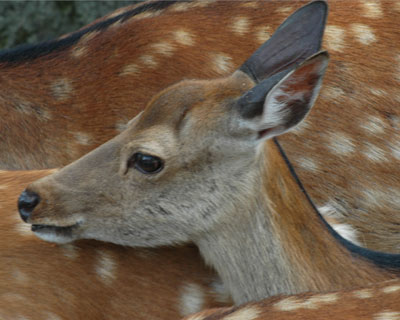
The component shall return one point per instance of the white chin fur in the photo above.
(51, 237)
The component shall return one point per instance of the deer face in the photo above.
(193, 155)
(163, 178)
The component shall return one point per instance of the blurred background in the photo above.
(41, 20)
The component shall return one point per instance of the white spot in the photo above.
(391, 289)
(196, 317)
(245, 313)
(184, 37)
(83, 138)
(106, 267)
(378, 92)
(222, 63)
(292, 303)
(61, 89)
(341, 144)
(24, 229)
(334, 36)
(148, 60)
(363, 33)
(130, 69)
(250, 4)
(372, 9)
(191, 299)
(387, 315)
(332, 92)
(307, 164)
(374, 153)
(347, 232)
(240, 25)
(81, 48)
(363, 294)
(69, 250)
(284, 10)
(374, 125)
(181, 6)
(164, 48)
(145, 15)
(263, 34)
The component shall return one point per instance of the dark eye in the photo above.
(145, 163)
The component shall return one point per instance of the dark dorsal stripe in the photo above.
(387, 261)
(29, 52)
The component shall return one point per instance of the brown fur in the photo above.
(40, 280)
(371, 302)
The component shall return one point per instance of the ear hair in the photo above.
(279, 103)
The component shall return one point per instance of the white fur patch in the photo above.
(191, 299)
(347, 232)
(222, 63)
(363, 294)
(148, 60)
(387, 315)
(391, 289)
(373, 125)
(164, 48)
(341, 144)
(130, 69)
(106, 267)
(307, 164)
(83, 138)
(363, 33)
(240, 25)
(374, 153)
(372, 9)
(246, 313)
(315, 302)
(184, 37)
(335, 38)
(61, 89)
(263, 34)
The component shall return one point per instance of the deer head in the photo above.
(192, 156)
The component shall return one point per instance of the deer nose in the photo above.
(27, 201)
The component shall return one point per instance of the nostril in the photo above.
(27, 201)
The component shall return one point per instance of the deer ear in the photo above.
(280, 102)
(297, 38)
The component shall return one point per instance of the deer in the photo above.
(61, 99)
(202, 164)
(376, 301)
(91, 279)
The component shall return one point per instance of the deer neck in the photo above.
(276, 243)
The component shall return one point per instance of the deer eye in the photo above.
(145, 163)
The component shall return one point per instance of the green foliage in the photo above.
(35, 21)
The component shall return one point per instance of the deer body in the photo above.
(377, 301)
(199, 165)
(94, 280)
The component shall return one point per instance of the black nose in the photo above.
(27, 201)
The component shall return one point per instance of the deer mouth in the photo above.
(53, 233)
